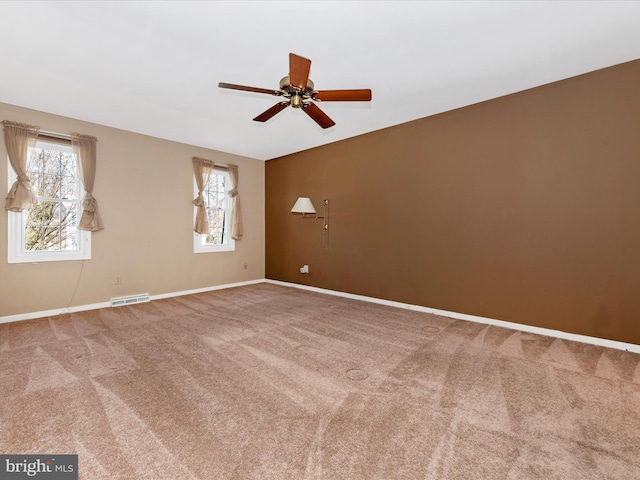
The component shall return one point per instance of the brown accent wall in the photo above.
(144, 188)
(525, 208)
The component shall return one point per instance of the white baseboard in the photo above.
(93, 306)
(629, 347)
(50, 313)
(207, 289)
(602, 342)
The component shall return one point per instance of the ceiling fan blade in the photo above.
(318, 115)
(362, 95)
(249, 89)
(299, 70)
(266, 115)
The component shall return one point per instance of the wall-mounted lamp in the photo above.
(304, 206)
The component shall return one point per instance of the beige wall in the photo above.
(144, 188)
(525, 208)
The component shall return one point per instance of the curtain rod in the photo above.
(58, 136)
(61, 137)
(222, 166)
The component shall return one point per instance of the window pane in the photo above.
(68, 238)
(38, 238)
(208, 199)
(52, 214)
(213, 203)
(33, 238)
(216, 227)
(69, 213)
(42, 213)
(36, 180)
(68, 187)
(51, 238)
(68, 164)
(34, 215)
(216, 209)
(35, 160)
(51, 163)
(49, 186)
(216, 218)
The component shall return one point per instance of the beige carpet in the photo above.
(269, 382)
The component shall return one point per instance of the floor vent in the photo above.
(130, 300)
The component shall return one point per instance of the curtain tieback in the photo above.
(22, 180)
(199, 201)
(233, 192)
(89, 204)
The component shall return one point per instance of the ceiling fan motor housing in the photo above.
(296, 94)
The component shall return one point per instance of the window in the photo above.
(218, 205)
(48, 231)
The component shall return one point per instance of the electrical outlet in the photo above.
(118, 280)
(304, 269)
(246, 265)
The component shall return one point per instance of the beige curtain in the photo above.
(18, 138)
(202, 169)
(236, 224)
(84, 146)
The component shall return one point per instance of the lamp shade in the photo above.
(303, 205)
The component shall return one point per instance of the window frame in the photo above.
(229, 243)
(16, 224)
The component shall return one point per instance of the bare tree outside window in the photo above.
(52, 224)
(216, 201)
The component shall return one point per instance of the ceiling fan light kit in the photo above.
(300, 92)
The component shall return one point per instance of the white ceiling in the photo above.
(153, 66)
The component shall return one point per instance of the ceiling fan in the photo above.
(299, 91)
